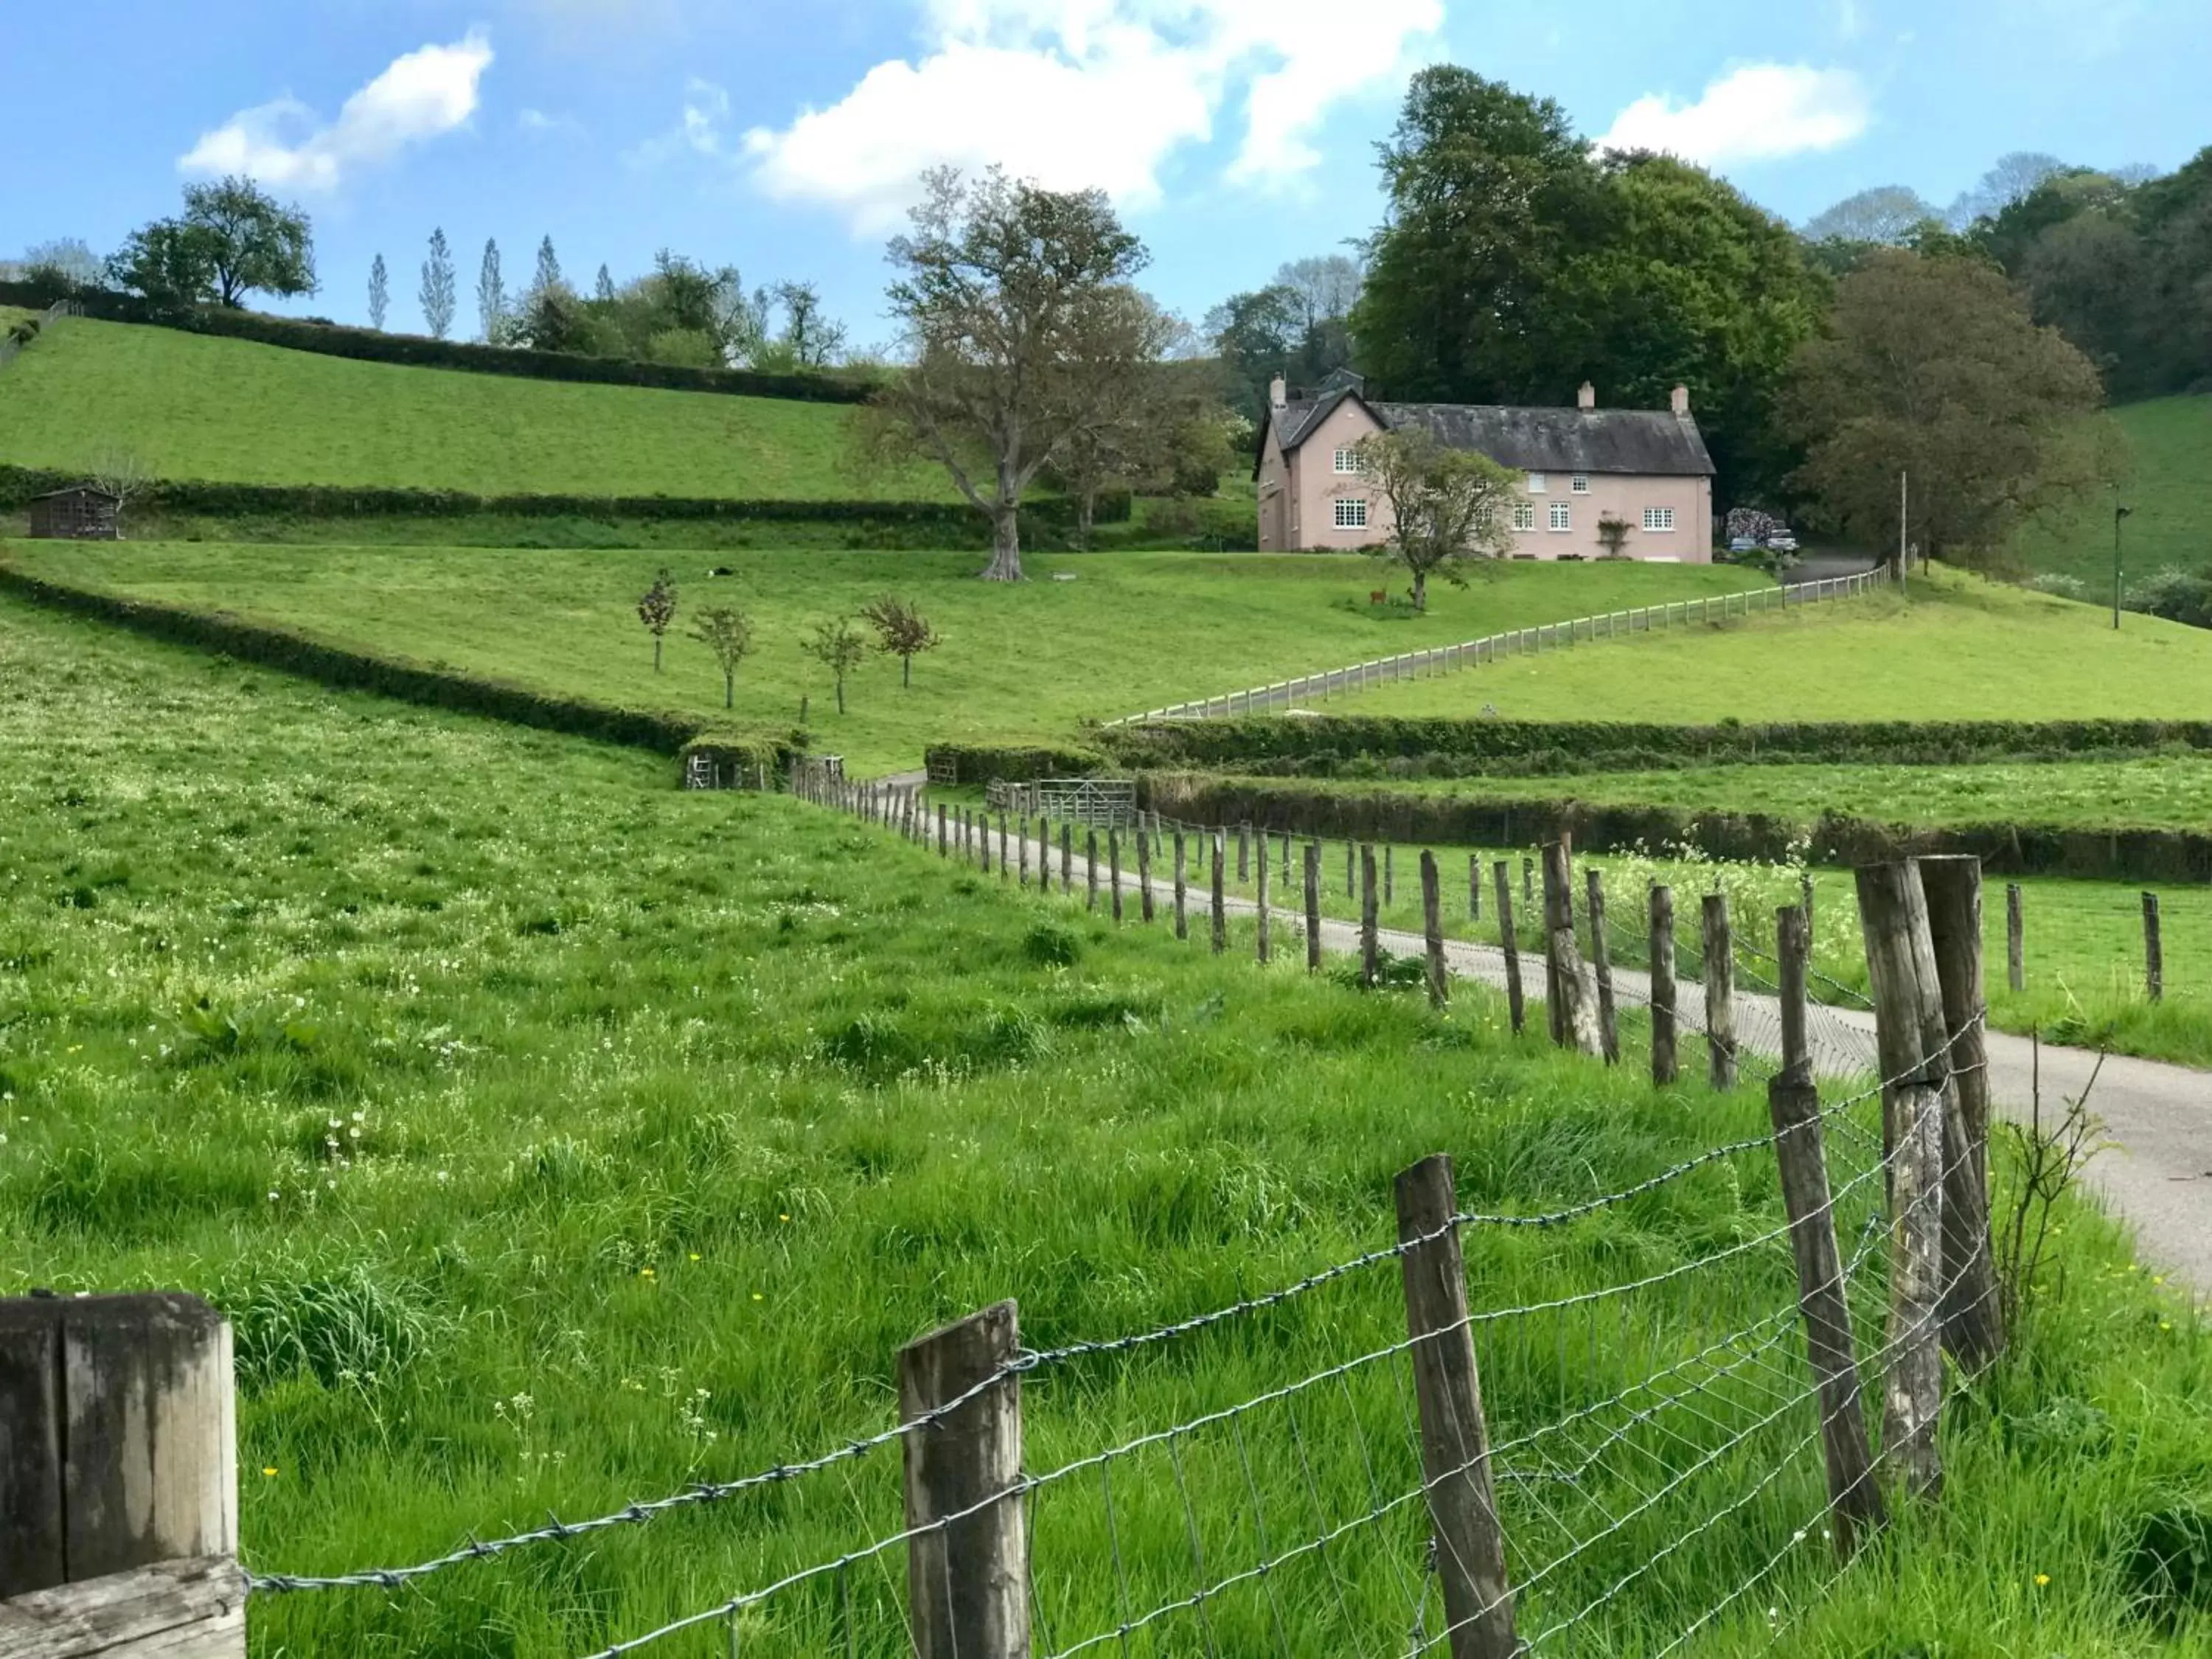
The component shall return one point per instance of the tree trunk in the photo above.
(1005, 564)
(906, 672)
(729, 690)
(1086, 509)
(1421, 591)
(840, 694)
(656, 654)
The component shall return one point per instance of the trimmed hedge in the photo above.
(1406, 818)
(739, 760)
(18, 484)
(1374, 746)
(419, 351)
(664, 732)
(1010, 762)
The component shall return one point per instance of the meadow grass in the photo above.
(1021, 662)
(2169, 489)
(1956, 648)
(235, 411)
(553, 1138)
(2085, 975)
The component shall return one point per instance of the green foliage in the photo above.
(2169, 488)
(657, 610)
(233, 239)
(417, 350)
(728, 633)
(988, 763)
(1932, 368)
(1446, 504)
(837, 646)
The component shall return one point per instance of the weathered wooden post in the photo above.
(1390, 876)
(1433, 929)
(1666, 1068)
(1145, 905)
(1973, 1311)
(1313, 907)
(1805, 902)
(968, 1566)
(1793, 1102)
(944, 832)
(1527, 881)
(118, 1480)
(1066, 859)
(2016, 940)
(1286, 858)
(1608, 1019)
(1181, 890)
(1091, 869)
(1901, 975)
(1576, 995)
(2153, 951)
(1370, 943)
(1350, 890)
(1720, 993)
(1474, 887)
(1221, 900)
(1114, 867)
(1516, 1001)
(1243, 854)
(1003, 873)
(1265, 938)
(1470, 1554)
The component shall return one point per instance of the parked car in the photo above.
(1744, 544)
(1782, 541)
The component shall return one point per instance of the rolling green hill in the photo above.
(2171, 491)
(1125, 632)
(234, 411)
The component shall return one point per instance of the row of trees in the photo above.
(901, 630)
(681, 312)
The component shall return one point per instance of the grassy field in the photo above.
(2171, 492)
(1129, 631)
(2163, 792)
(554, 1139)
(1958, 648)
(234, 411)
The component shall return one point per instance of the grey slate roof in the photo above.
(1652, 443)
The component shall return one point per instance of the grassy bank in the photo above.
(1123, 632)
(554, 1139)
(2169, 489)
(1958, 648)
(193, 406)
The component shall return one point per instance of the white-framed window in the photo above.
(1351, 512)
(1581, 483)
(1563, 516)
(1658, 520)
(1350, 463)
(1524, 515)
(1540, 483)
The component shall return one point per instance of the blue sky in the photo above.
(783, 136)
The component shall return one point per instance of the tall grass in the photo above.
(554, 1139)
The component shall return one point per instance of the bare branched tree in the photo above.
(124, 473)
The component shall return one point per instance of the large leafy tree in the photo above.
(1491, 193)
(1933, 369)
(1447, 506)
(1299, 326)
(233, 238)
(1012, 301)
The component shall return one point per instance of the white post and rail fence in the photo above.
(1515, 642)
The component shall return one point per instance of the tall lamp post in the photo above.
(2120, 516)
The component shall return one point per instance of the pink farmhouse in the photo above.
(1646, 468)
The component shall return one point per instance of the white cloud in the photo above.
(1089, 94)
(424, 94)
(1760, 112)
(706, 114)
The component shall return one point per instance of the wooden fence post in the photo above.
(1609, 1018)
(1470, 1554)
(1390, 876)
(2153, 951)
(1516, 1002)
(1805, 901)
(943, 831)
(1720, 992)
(1003, 872)
(1974, 1312)
(1266, 936)
(1793, 1102)
(1474, 887)
(1181, 890)
(1220, 901)
(1900, 972)
(1528, 882)
(1114, 867)
(1066, 859)
(2016, 940)
(1666, 1068)
(1350, 890)
(1091, 869)
(1370, 944)
(1286, 858)
(118, 1478)
(1432, 928)
(968, 1578)
(1576, 1023)
(1144, 907)
(1313, 907)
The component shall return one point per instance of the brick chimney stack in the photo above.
(1586, 399)
(1279, 395)
(1682, 402)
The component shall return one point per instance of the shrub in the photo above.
(2182, 596)
(2060, 584)
(988, 762)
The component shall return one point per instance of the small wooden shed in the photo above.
(81, 512)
